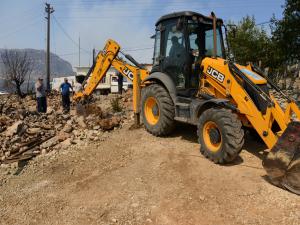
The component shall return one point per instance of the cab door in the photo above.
(175, 55)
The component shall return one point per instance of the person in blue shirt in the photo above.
(65, 94)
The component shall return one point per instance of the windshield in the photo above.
(209, 43)
(201, 39)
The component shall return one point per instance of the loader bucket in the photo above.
(283, 162)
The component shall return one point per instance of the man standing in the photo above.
(120, 83)
(65, 94)
(41, 96)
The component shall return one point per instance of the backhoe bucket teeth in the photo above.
(283, 162)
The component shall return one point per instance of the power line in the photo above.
(20, 28)
(68, 36)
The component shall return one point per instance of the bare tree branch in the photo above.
(17, 66)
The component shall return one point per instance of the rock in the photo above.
(66, 116)
(44, 151)
(4, 120)
(70, 122)
(68, 128)
(96, 127)
(46, 126)
(62, 136)
(80, 121)
(58, 126)
(34, 130)
(51, 142)
(15, 139)
(16, 128)
(66, 143)
(50, 110)
(76, 133)
(109, 124)
(288, 83)
(280, 84)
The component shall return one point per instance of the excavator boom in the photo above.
(105, 59)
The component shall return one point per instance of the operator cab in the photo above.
(182, 40)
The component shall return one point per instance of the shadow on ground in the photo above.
(186, 131)
(253, 144)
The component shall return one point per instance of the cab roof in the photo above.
(184, 14)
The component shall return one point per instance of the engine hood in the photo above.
(220, 64)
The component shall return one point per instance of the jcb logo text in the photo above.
(215, 74)
(128, 73)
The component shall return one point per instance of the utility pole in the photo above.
(94, 56)
(79, 52)
(49, 10)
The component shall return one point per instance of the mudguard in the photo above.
(166, 80)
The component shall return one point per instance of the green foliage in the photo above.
(116, 105)
(251, 43)
(248, 42)
(286, 32)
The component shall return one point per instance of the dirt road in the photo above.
(135, 178)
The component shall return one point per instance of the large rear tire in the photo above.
(157, 110)
(220, 135)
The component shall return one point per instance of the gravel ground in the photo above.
(131, 177)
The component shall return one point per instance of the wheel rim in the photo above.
(212, 136)
(151, 110)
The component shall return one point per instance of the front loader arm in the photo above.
(103, 63)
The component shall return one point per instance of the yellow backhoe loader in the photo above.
(192, 82)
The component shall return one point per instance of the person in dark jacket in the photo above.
(65, 95)
(40, 96)
(120, 83)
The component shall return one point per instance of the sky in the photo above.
(129, 22)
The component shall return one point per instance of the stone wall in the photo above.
(291, 86)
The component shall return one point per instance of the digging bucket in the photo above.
(283, 162)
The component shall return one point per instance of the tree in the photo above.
(17, 66)
(248, 42)
(286, 32)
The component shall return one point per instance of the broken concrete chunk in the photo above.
(62, 136)
(34, 130)
(16, 128)
(68, 128)
(109, 124)
(51, 142)
(80, 121)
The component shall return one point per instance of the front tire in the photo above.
(158, 110)
(220, 135)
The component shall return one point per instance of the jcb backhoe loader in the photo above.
(192, 82)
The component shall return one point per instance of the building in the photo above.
(109, 84)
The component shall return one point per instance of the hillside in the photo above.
(59, 66)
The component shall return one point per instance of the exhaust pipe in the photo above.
(214, 34)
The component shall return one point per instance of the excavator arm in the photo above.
(109, 57)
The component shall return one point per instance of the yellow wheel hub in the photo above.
(151, 110)
(212, 136)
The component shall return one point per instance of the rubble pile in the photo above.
(291, 87)
(24, 133)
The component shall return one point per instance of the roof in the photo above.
(183, 14)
